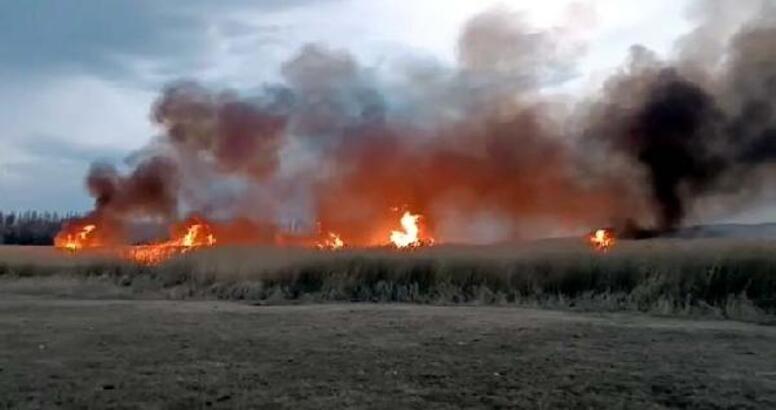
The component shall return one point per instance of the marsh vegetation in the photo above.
(713, 277)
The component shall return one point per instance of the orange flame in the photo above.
(198, 235)
(73, 241)
(332, 242)
(410, 236)
(602, 240)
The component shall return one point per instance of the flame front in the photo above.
(198, 234)
(73, 241)
(602, 240)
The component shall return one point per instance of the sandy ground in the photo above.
(76, 353)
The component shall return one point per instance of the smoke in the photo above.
(238, 136)
(479, 149)
(668, 126)
(150, 190)
(695, 131)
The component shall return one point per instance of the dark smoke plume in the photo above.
(672, 130)
(695, 131)
(150, 190)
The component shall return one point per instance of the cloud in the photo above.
(101, 37)
(81, 110)
(55, 128)
(50, 148)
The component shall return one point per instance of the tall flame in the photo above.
(410, 236)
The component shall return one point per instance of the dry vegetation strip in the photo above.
(713, 277)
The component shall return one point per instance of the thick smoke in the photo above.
(150, 190)
(695, 131)
(239, 136)
(668, 126)
(480, 149)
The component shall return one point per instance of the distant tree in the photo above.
(10, 219)
(30, 227)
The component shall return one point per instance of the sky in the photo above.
(78, 78)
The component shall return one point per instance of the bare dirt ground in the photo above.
(78, 353)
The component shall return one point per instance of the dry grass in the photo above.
(722, 278)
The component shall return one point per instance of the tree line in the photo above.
(31, 227)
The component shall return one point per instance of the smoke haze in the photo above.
(480, 150)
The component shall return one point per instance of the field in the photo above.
(75, 353)
(550, 324)
(716, 278)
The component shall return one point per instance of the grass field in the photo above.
(127, 354)
(89, 331)
(722, 278)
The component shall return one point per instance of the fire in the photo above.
(194, 234)
(332, 242)
(410, 236)
(197, 235)
(602, 239)
(82, 238)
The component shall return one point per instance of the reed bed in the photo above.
(718, 277)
